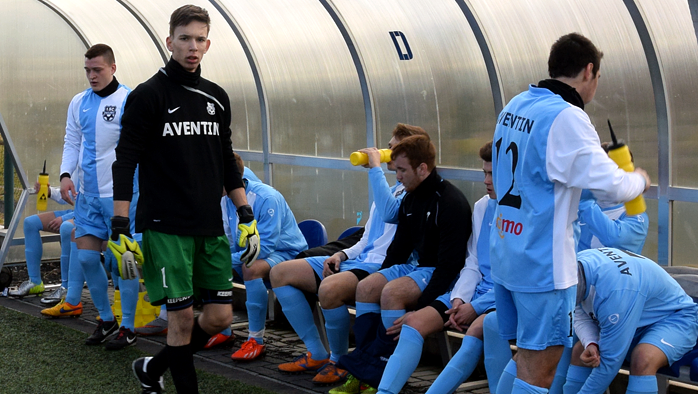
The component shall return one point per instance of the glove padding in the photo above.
(249, 236)
(126, 250)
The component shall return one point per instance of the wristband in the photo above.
(245, 214)
(63, 175)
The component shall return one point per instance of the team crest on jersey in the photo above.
(109, 112)
(210, 108)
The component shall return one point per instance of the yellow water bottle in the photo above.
(42, 195)
(619, 153)
(360, 158)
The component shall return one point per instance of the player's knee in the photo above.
(644, 363)
(66, 228)
(32, 223)
(475, 329)
(276, 276)
(260, 269)
(369, 290)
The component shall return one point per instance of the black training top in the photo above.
(435, 221)
(176, 127)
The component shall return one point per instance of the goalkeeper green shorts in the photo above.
(177, 266)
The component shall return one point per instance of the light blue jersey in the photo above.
(278, 230)
(611, 227)
(626, 293)
(92, 131)
(545, 151)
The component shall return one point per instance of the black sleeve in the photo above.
(333, 247)
(136, 122)
(232, 178)
(455, 225)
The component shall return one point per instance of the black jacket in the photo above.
(435, 221)
(176, 127)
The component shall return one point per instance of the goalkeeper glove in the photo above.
(126, 250)
(249, 236)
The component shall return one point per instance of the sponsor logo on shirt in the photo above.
(109, 112)
(190, 128)
(508, 226)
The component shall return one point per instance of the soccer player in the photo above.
(176, 129)
(462, 308)
(92, 132)
(545, 152)
(33, 249)
(434, 220)
(628, 308)
(281, 240)
(334, 278)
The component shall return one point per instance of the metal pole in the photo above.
(9, 186)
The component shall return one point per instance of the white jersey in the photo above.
(92, 132)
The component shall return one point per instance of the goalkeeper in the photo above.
(176, 128)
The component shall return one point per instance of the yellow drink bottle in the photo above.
(42, 195)
(360, 158)
(619, 153)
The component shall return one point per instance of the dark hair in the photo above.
(403, 131)
(186, 14)
(570, 54)
(607, 145)
(486, 151)
(240, 163)
(418, 149)
(103, 50)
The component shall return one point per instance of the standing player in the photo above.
(176, 127)
(628, 308)
(91, 134)
(545, 151)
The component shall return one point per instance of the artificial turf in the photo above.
(41, 356)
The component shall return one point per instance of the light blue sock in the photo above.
(561, 371)
(521, 387)
(129, 302)
(497, 350)
(459, 368)
(33, 247)
(388, 316)
(66, 231)
(403, 361)
(227, 332)
(506, 381)
(367, 307)
(76, 279)
(298, 313)
(257, 300)
(643, 384)
(576, 376)
(337, 322)
(97, 282)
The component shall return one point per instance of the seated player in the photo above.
(434, 220)
(628, 308)
(281, 240)
(463, 308)
(33, 248)
(334, 278)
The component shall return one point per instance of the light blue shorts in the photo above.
(93, 215)
(420, 275)
(536, 320)
(273, 259)
(62, 212)
(316, 263)
(675, 335)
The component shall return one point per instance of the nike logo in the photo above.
(130, 340)
(169, 111)
(425, 281)
(409, 214)
(85, 110)
(63, 310)
(105, 332)
(231, 279)
(666, 343)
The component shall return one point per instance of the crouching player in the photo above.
(628, 308)
(464, 307)
(281, 240)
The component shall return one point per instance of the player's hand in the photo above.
(396, 328)
(331, 264)
(590, 357)
(374, 157)
(67, 190)
(460, 316)
(54, 225)
(249, 236)
(126, 250)
(644, 174)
